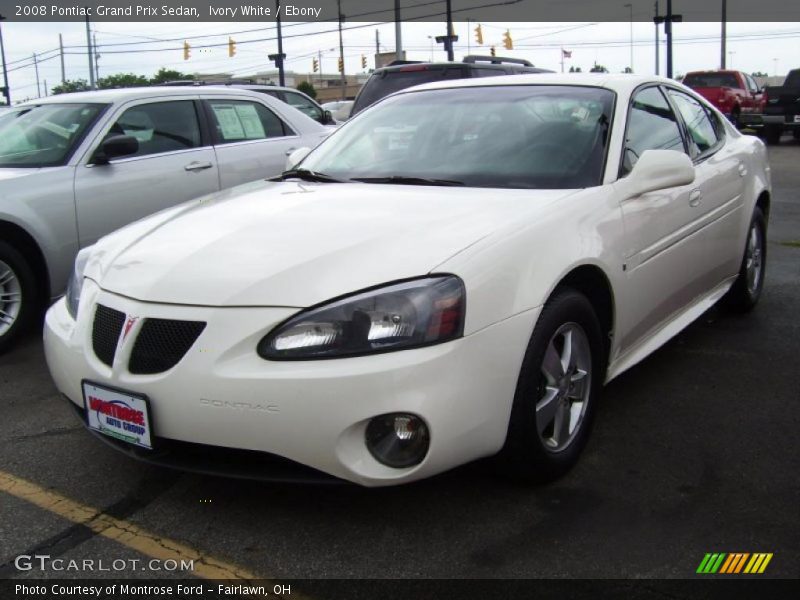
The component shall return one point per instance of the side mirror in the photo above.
(658, 170)
(114, 147)
(327, 118)
(296, 157)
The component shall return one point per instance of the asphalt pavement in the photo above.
(695, 450)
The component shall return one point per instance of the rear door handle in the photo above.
(197, 166)
(695, 198)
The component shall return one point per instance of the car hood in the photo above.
(298, 244)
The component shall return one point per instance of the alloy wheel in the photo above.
(10, 297)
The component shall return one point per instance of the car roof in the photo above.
(135, 93)
(623, 82)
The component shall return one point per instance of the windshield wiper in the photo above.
(402, 180)
(306, 175)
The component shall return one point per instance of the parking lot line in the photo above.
(122, 531)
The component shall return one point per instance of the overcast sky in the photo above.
(752, 47)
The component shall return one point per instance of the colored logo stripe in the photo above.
(723, 563)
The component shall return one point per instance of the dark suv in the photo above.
(403, 74)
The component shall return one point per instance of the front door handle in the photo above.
(742, 170)
(695, 198)
(290, 150)
(197, 166)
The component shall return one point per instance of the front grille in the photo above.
(161, 344)
(105, 332)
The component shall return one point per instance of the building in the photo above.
(328, 86)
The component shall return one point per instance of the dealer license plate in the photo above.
(118, 414)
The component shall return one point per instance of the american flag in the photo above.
(566, 53)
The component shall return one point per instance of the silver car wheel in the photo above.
(754, 259)
(567, 371)
(10, 298)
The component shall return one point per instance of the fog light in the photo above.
(398, 440)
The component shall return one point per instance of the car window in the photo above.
(514, 136)
(702, 135)
(160, 127)
(240, 120)
(752, 83)
(711, 80)
(44, 135)
(651, 126)
(486, 72)
(381, 84)
(304, 105)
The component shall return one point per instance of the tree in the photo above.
(163, 75)
(760, 74)
(628, 70)
(575, 70)
(598, 69)
(307, 88)
(122, 80)
(70, 85)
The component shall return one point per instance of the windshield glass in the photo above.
(517, 136)
(711, 80)
(44, 135)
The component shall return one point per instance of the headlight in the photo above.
(75, 284)
(395, 317)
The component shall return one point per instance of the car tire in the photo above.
(736, 118)
(772, 135)
(18, 294)
(746, 290)
(550, 399)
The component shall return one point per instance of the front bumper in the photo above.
(221, 394)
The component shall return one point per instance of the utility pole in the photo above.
(45, 88)
(469, 37)
(377, 42)
(89, 54)
(6, 90)
(96, 57)
(724, 35)
(341, 48)
(61, 53)
(36, 68)
(658, 42)
(630, 7)
(281, 55)
(319, 54)
(450, 36)
(398, 35)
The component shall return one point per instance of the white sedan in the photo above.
(453, 274)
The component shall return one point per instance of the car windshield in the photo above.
(516, 136)
(44, 135)
(711, 80)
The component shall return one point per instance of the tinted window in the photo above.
(304, 105)
(240, 121)
(707, 80)
(702, 134)
(379, 86)
(160, 127)
(500, 136)
(44, 135)
(793, 79)
(485, 72)
(651, 126)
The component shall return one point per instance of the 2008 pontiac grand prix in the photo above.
(454, 274)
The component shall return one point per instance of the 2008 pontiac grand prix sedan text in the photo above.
(453, 274)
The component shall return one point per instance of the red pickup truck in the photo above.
(732, 92)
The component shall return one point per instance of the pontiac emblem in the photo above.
(128, 326)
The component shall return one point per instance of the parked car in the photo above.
(734, 93)
(453, 275)
(302, 102)
(781, 109)
(404, 74)
(340, 109)
(74, 167)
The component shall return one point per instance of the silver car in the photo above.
(75, 167)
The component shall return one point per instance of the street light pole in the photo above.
(6, 90)
(658, 43)
(724, 34)
(630, 8)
